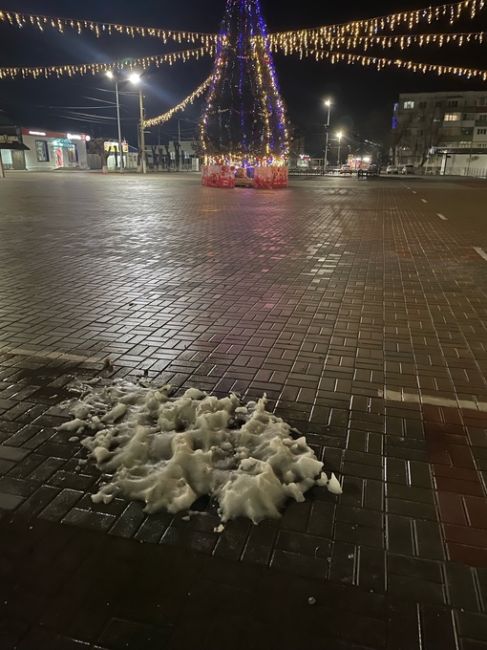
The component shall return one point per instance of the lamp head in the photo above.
(135, 78)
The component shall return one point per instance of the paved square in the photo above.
(359, 307)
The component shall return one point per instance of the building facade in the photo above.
(441, 133)
(44, 150)
(173, 156)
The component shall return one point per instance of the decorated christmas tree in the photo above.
(244, 121)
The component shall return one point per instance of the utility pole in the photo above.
(339, 137)
(159, 153)
(120, 148)
(112, 75)
(328, 104)
(2, 170)
(143, 161)
(180, 162)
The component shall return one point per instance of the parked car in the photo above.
(392, 169)
(407, 169)
(372, 170)
(346, 169)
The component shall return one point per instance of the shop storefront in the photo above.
(12, 153)
(53, 150)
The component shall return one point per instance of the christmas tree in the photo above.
(244, 121)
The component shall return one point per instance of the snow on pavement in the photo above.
(169, 451)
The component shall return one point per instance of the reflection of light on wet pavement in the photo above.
(481, 252)
(432, 400)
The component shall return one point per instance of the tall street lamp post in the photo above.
(328, 104)
(135, 79)
(339, 138)
(111, 75)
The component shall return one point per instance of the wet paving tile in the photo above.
(357, 311)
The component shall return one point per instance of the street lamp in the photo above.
(110, 74)
(328, 104)
(135, 79)
(339, 138)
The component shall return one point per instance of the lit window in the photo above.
(408, 104)
(42, 151)
(452, 117)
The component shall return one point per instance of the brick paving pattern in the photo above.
(358, 310)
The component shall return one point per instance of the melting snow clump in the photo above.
(167, 452)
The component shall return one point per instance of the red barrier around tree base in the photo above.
(264, 178)
(218, 176)
(270, 178)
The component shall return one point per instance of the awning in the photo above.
(15, 146)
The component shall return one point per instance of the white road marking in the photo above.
(481, 252)
(52, 356)
(413, 398)
(424, 200)
(442, 216)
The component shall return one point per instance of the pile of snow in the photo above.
(168, 452)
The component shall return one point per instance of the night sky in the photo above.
(363, 97)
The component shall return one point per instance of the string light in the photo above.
(381, 63)
(408, 40)
(321, 43)
(317, 36)
(41, 22)
(165, 117)
(70, 70)
(403, 41)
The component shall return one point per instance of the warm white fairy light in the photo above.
(381, 63)
(21, 20)
(165, 117)
(70, 70)
(318, 37)
(403, 41)
(331, 42)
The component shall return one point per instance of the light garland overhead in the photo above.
(381, 63)
(388, 41)
(165, 117)
(332, 43)
(317, 36)
(71, 70)
(21, 20)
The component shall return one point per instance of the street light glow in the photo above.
(109, 74)
(134, 78)
(340, 135)
(328, 103)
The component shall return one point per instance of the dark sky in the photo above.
(363, 97)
